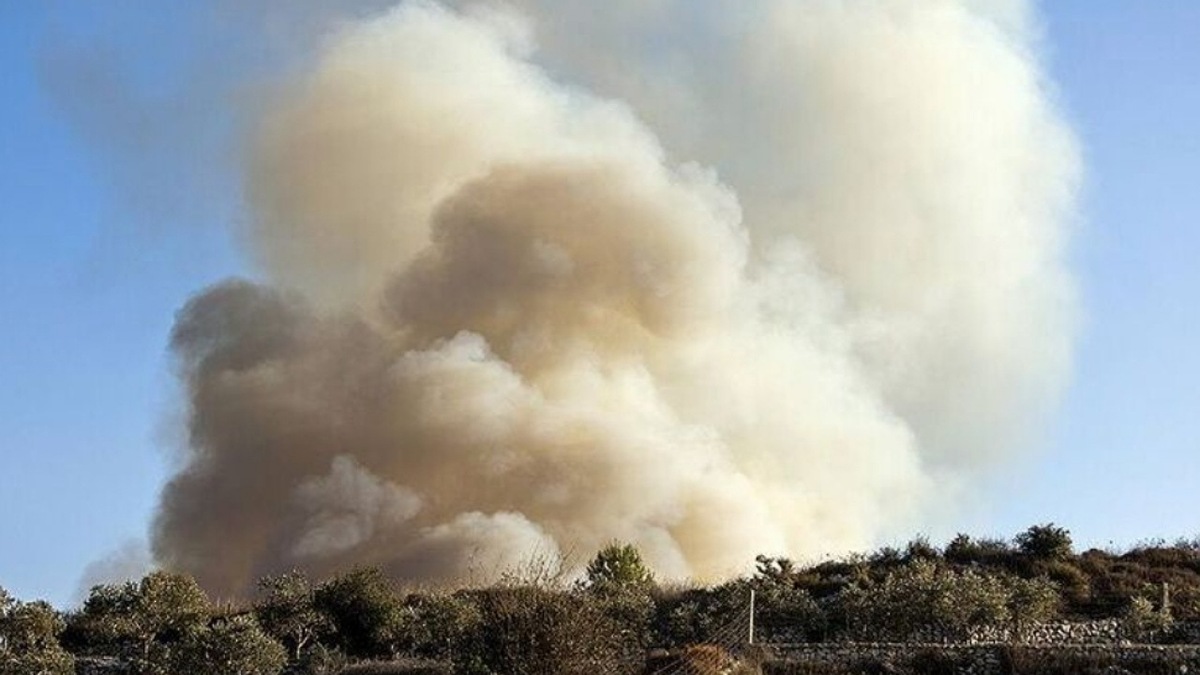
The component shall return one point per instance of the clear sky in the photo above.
(101, 240)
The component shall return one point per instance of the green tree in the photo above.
(920, 549)
(1032, 601)
(528, 630)
(230, 646)
(1141, 620)
(145, 617)
(439, 626)
(365, 612)
(1045, 542)
(287, 611)
(618, 567)
(29, 639)
(925, 595)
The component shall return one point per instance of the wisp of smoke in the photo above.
(743, 278)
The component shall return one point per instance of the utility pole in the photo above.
(1166, 600)
(751, 616)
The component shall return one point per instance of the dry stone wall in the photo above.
(1106, 632)
(987, 659)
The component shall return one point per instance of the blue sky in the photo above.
(101, 241)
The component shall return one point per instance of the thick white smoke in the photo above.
(747, 278)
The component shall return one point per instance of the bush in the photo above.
(921, 549)
(1045, 542)
(531, 630)
(140, 621)
(364, 611)
(236, 645)
(29, 639)
(963, 550)
(924, 596)
(288, 612)
(319, 660)
(618, 568)
(686, 616)
(437, 626)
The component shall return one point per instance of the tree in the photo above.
(288, 611)
(920, 549)
(158, 610)
(6, 604)
(774, 569)
(618, 567)
(29, 639)
(925, 595)
(1045, 542)
(230, 646)
(365, 612)
(437, 626)
(1033, 601)
(527, 630)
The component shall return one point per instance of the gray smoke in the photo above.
(770, 277)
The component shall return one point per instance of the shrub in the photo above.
(29, 639)
(1045, 542)
(963, 550)
(618, 568)
(140, 621)
(319, 660)
(237, 646)
(925, 595)
(437, 626)
(921, 549)
(686, 616)
(288, 612)
(530, 630)
(364, 610)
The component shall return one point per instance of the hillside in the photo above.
(616, 614)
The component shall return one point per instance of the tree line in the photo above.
(539, 623)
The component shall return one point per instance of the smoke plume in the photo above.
(716, 279)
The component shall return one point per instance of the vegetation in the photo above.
(361, 622)
(29, 639)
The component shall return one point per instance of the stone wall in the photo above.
(968, 659)
(100, 665)
(984, 659)
(1106, 632)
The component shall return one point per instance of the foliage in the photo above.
(364, 610)
(1045, 542)
(530, 630)
(160, 609)
(687, 615)
(29, 639)
(319, 659)
(436, 626)
(921, 549)
(784, 611)
(622, 587)
(616, 568)
(287, 611)
(164, 625)
(965, 550)
(927, 596)
(230, 646)
(1142, 620)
